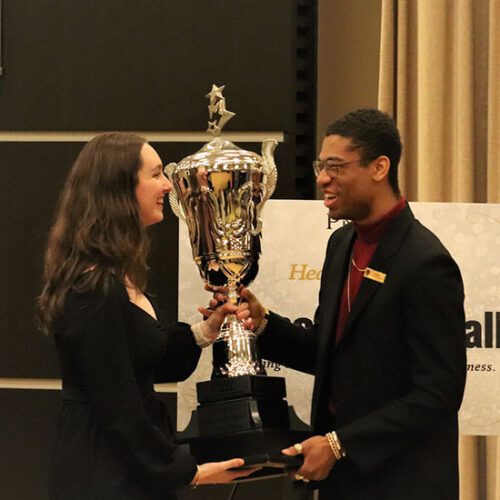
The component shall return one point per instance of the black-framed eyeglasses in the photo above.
(331, 168)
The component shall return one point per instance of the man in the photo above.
(387, 345)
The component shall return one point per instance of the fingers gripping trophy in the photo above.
(219, 192)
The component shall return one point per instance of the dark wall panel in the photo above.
(28, 420)
(31, 177)
(145, 65)
(129, 65)
(27, 426)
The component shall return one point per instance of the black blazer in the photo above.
(397, 375)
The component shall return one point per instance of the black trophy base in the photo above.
(245, 417)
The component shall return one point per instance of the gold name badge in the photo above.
(377, 276)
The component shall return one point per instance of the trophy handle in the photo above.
(269, 167)
(270, 186)
(172, 197)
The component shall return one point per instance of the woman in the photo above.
(114, 438)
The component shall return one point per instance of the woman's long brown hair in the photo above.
(97, 225)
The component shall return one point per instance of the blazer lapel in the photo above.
(382, 262)
(332, 285)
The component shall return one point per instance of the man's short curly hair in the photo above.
(374, 133)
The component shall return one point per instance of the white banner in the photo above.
(294, 241)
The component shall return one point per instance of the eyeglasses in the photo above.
(331, 168)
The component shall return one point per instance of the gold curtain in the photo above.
(440, 80)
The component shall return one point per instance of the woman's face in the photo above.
(152, 186)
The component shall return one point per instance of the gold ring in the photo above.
(298, 448)
(299, 477)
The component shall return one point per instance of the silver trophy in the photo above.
(219, 192)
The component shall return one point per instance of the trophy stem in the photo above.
(232, 292)
(235, 352)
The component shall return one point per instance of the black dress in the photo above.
(114, 439)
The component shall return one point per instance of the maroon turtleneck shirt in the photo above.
(367, 239)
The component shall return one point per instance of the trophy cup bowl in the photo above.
(219, 192)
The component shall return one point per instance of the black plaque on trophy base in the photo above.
(245, 417)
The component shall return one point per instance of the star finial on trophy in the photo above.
(215, 93)
(225, 117)
(213, 128)
(212, 109)
(217, 106)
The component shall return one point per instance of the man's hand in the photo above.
(318, 458)
(257, 310)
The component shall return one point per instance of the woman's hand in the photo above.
(221, 472)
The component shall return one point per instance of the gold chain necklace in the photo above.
(349, 289)
(349, 280)
(356, 267)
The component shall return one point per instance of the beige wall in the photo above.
(348, 58)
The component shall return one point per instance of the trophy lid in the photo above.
(219, 154)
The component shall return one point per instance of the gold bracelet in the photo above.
(333, 445)
(263, 323)
(339, 444)
(336, 447)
